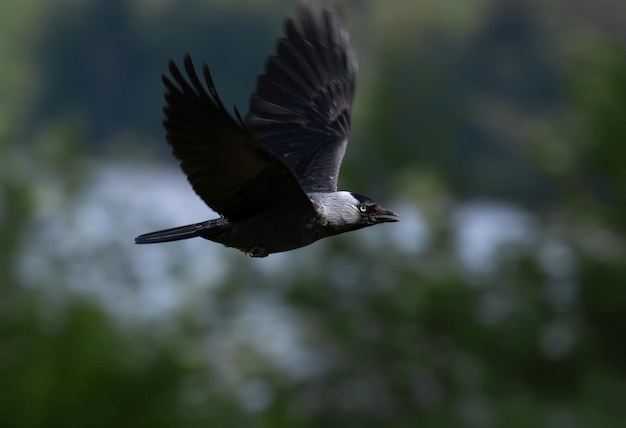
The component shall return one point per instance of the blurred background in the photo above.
(496, 128)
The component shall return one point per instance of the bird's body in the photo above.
(261, 235)
(258, 235)
(272, 176)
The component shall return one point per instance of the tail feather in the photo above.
(173, 234)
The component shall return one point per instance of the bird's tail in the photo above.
(175, 233)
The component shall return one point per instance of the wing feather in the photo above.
(227, 167)
(302, 105)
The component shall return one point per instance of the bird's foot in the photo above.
(258, 252)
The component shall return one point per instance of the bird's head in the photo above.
(371, 212)
(349, 211)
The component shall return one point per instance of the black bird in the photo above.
(272, 177)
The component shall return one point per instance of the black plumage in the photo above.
(302, 104)
(273, 176)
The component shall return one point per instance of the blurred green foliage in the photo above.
(489, 103)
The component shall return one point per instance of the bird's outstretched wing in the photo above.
(232, 172)
(302, 104)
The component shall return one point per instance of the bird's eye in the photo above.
(362, 208)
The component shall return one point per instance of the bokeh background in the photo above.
(496, 128)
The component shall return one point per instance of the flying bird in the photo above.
(272, 176)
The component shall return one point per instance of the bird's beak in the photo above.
(383, 215)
